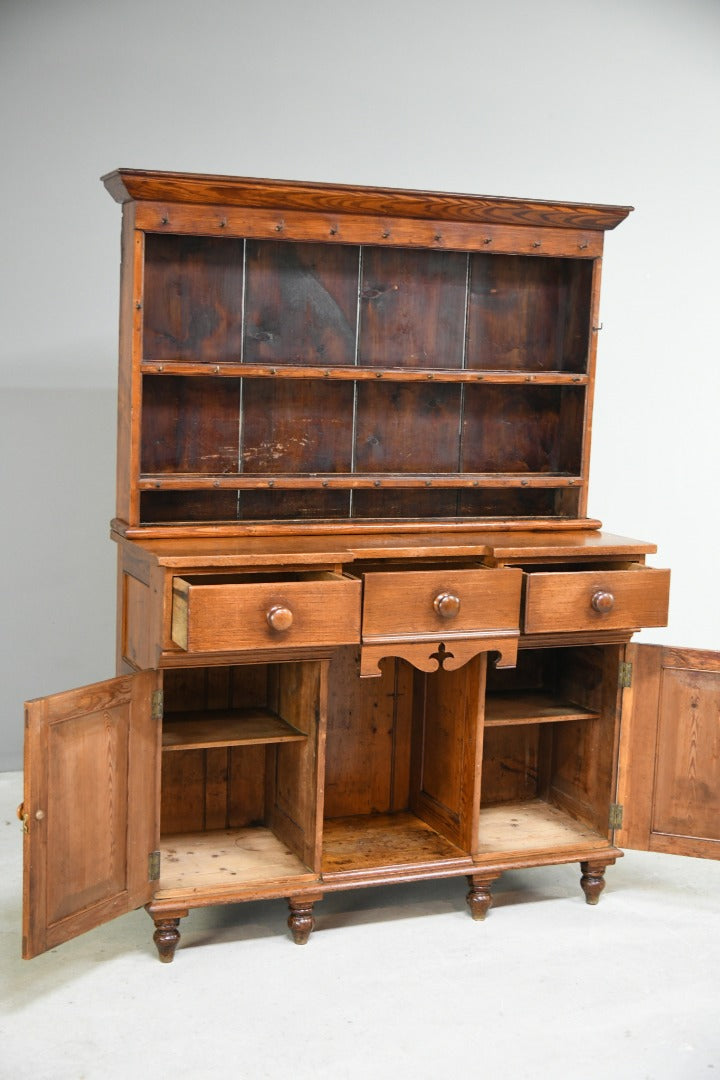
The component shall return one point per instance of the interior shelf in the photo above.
(369, 841)
(191, 862)
(356, 373)
(232, 727)
(531, 707)
(533, 827)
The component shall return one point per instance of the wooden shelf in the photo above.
(350, 481)
(370, 841)
(237, 727)
(531, 707)
(224, 859)
(365, 373)
(534, 827)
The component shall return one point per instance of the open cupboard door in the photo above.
(91, 807)
(669, 767)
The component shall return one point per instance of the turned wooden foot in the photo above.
(479, 898)
(166, 937)
(300, 919)
(592, 880)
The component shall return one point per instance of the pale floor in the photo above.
(394, 982)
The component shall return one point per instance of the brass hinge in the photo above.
(156, 708)
(154, 866)
(616, 815)
(625, 675)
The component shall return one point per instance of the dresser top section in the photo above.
(139, 185)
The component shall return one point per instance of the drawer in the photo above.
(597, 599)
(290, 610)
(428, 604)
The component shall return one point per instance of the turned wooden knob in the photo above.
(279, 618)
(602, 601)
(447, 604)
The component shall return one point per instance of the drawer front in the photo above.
(232, 616)
(429, 604)
(596, 600)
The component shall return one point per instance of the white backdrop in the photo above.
(586, 100)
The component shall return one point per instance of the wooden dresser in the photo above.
(367, 632)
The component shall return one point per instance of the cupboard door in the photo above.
(669, 768)
(90, 809)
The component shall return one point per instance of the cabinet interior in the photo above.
(241, 746)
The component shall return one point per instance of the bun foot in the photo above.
(592, 881)
(300, 919)
(479, 898)
(166, 937)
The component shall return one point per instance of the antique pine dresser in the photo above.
(367, 632)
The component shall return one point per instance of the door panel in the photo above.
(91, 806)
(669, 775)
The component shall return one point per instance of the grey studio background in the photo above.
(585, 100)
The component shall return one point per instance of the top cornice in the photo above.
(137, 185)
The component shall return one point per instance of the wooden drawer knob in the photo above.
(447, 605)
(602, 602)
(279, 618)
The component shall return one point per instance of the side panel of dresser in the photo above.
(669, 767)
(91, 805)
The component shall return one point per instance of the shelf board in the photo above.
(371, 841)
(532, 827)
(350, 481)
(531, 707)
(224, 858)
(364, 373)
(236, 727)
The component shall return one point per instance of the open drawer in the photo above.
(602, 598)
(232, 613)
(439, 602)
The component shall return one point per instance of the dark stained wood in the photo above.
(190, 425)
(125, 184)
(530, 314)
(193, 295)
(297, 427)
(592, 880)
(412, 308)
(407, 428)
(301, 303)
(166, 938)
(479, 896)
(522, 429)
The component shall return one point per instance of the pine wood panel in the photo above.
(301, 303)
(242, 727)
(91, 795)
(412, 308)
(376, 840)
(520, 429)
(405, 427)
(531, 707)
(669, 773)
(296, 426)
(687, 779)
(530, 314)
(226, 858)
(190, 425)
(447, 751)
(531, 828)
(193, 299)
